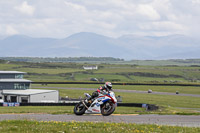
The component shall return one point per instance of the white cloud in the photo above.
(10, 30)
(196, 1)
(62, 18)
(103, 25)
(167, 25)
(148, 11)
(75, 6)
(25, 8)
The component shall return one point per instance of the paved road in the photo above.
(178, 120)
(129, 91)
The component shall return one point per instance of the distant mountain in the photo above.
(90, 44)
(164, 47)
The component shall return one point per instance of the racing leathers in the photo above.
(102, 89)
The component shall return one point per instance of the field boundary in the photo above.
(114, 83)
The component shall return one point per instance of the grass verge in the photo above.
(69, 110)
(171, 89)
(160, 100)
(19, 126)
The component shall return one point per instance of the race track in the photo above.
(174, 120)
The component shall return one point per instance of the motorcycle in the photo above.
(104, 104)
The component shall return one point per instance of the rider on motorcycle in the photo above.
(103, 90)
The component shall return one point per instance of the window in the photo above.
(19, 76)
(16, 86)
(24, 99)
(21, 86)
(13, 98)
(5, 99)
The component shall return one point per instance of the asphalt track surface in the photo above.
(128, 91)
(172, 120)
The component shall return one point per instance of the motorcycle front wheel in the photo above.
(79, 109)
(108, 108)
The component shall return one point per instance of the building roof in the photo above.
(12, 72)
(26, 92)
(15, 80)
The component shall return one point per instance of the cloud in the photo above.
(10, 30)
(25, 8)
(75, 6)
(196, 1)
(148, 11)
(114, 18)
(101, 24)
(162, 26)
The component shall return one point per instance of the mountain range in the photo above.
(89, 44)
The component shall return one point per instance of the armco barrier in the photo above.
(149, 84)
(48, 104)
(147, 106)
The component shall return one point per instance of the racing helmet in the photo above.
(108, 86)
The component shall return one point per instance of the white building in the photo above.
(13, 88)
(31, 95)
(90, 67)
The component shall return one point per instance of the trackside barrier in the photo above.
(149, 84)
(148, 107)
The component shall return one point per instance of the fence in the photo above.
(153, 84)
(149, 107)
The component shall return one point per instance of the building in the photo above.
(90, 67)
(13, 88)
(31, 95)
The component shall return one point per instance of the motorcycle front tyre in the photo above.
(79, 109)
(107, 113)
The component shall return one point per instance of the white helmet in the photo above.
(108, 85)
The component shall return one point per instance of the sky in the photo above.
(113, 18)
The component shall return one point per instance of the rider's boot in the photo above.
(88, 101)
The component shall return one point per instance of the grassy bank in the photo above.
(69, 110)
(169, 104)
(17, 126)
(110, 72)
(171, 89)
(64, 110)
(127, 97)
(38, 109)
(115, 73)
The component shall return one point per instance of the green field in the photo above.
(160, 72)
(69, 110)
(109, 72)
(18, 126)
(171, 89)
(37, 109)
(165, 100)
(169, 104)
(64, 110)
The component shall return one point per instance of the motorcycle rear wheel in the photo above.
(79, 109)
(108, 108)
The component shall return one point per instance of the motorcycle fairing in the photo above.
(95, 106)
